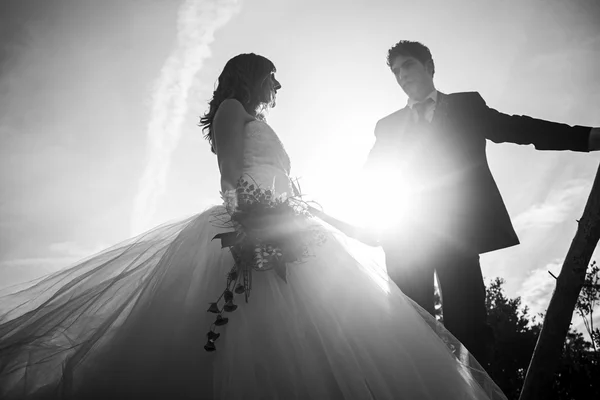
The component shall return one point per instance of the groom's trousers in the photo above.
(460, 279)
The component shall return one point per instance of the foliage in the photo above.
(516, 333)
(589, 298)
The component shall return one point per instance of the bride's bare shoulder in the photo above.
(228, 129)
(232, 110)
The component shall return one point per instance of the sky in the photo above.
(99, 105)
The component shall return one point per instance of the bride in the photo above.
(253, 299)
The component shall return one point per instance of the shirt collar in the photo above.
(433, 95)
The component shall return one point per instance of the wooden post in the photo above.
(547, 353)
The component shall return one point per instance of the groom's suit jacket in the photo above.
(444, 168)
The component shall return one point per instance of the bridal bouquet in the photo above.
(269, 232)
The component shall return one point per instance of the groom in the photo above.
(434, 150)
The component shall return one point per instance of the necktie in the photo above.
(421, 108)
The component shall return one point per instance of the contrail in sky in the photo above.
(197, 22)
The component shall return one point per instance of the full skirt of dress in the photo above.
(131, 323)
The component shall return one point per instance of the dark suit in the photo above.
(458, 212)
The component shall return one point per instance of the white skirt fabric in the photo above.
(131, 323)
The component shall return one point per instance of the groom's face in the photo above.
(413, 77)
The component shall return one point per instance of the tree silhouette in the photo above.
(587, 302)
(516, 333)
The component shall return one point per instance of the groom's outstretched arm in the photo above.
(520, 129)
(594, 139)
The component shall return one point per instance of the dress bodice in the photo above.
(266, 162)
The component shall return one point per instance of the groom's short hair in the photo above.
(411, 49)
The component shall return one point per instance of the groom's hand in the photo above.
(594, 142)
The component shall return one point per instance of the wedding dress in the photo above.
(131, 322)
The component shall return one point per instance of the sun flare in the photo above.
(378, 206)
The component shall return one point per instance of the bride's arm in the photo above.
(229, 141)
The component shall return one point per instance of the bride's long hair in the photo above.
(244, 78)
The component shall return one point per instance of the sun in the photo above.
(379, 203)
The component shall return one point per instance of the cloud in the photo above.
(61, 255)
(538, 287)
(557, 208)
(73, 249)
(197, 22)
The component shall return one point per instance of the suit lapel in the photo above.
(402, 123)
(440, 114)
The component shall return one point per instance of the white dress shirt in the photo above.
(430, 107)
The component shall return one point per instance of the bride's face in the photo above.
(271, 87)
